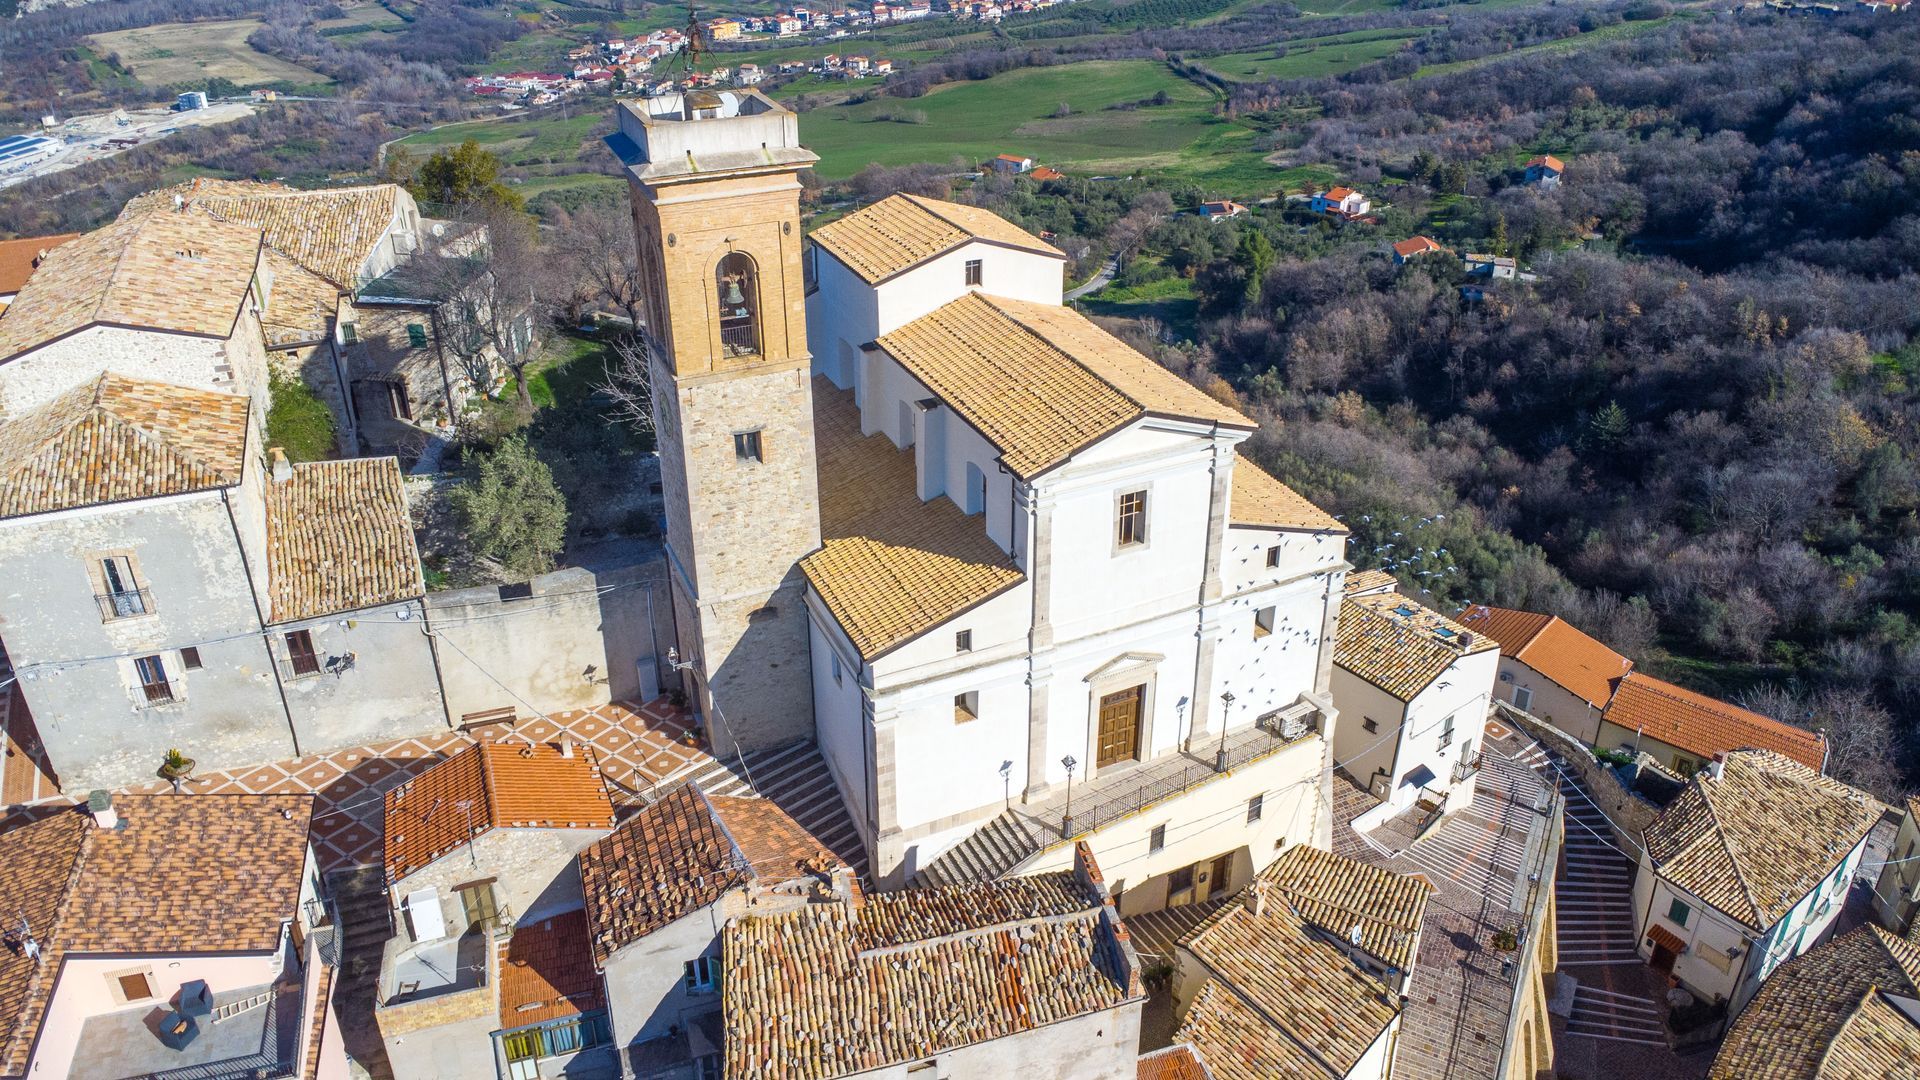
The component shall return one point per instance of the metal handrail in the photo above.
(124, 603)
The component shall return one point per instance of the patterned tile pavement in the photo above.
(639, 746)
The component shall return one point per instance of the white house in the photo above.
(135, 926)
(1745, 870)
(1896, 895)
(1550, 669)
(1304, 975)
(1045, 561)
(1340, 200)
(1545, 170)
(1412, 688)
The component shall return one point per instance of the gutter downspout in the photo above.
(259, 614)
(439, 680)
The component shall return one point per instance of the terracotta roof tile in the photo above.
(141, 890)
(547, 972)
(19, 257)
(1706, 726)
(115, 439)
(902, 231)
(1398, 645)
(890, 566)
(496, 785)
(339, 538)
(1336, 894)
(1553, 647)
(1822, 1016)
(1281, 999)
(835, 989)
(1755, 840)
(186, 273)
(682, 853)
(302, 306)
(1039, 381)
(1177, 1062)
(1415, 245)
(1260, 501)
(330, 231)
(1366, 581)
(1548, 161)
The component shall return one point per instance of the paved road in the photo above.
(1098, 282)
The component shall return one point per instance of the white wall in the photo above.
(183, 359)
(83, 990)
(1550, 701)
(1409, 733)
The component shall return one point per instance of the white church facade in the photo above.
(1048, 600)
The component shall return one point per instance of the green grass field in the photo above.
(1311, 57)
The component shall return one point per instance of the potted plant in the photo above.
(1505, 940)
(175, 766)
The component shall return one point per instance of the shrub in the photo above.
(298, 421)
(510, 509)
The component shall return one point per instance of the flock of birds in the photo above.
(1408, 559)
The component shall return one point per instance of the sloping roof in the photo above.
(1039, 381)
(302, 306)
(1338, 194)
(902, 231)
(890, 567)
(115, 439)
(1553, 647)
(1398, 645)
(496, 785)
(143, 890)
(1281, 999)
(331, 231)
(1755, 840)
(1821, 1016)
(1260, 501)
(682, 853)
(834, 989)
(1705, 726)
(1336, 894)
(1364, 581)
(185, 273)
(339, 538)
(18, 258)
(1416, 245)
(547, 972)
(1177, 1062)
(1548, 161)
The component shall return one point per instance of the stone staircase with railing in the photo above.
(990, 853)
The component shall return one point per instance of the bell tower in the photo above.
(716, 208)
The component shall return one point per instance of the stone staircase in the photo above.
(990, 853)
(796, 779)
(363, 924)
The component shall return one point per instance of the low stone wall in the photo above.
(1628, 811)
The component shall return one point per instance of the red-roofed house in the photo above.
(1010, 164)
(1045, 173)
(1685, 730)
(1550, 669)
(1222, 210)
(1344, 201)
(1412, 248)
(1545, 171)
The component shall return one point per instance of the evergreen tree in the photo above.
(510, 509)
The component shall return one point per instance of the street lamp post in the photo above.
(1220, 760)
(1066, 822)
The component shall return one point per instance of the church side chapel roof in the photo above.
(900, 232)
(1258, 500)
(890, 567)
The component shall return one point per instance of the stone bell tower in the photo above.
(716, 208)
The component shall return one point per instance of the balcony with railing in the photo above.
(155, 694)
(124, 604)
(1465, 768)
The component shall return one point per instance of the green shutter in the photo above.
(417, 334)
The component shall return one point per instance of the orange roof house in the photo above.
(1554, 648)
(1548, 162)
(489, 787)
(1698, 727)
(1417, 245)
(1046, 173)
(19, 257)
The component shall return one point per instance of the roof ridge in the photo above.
(54, 934)
(1733, 857)
(740, 860)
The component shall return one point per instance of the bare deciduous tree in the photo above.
(629, 382)
(484, 283)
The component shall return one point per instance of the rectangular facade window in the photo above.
(963, 641)
(1679, 912)
(349, 333)
(1370, 724)
(1523, 699)
(416, 335)
(190, 658)
(836, 669)
(966, 706)
(1255, 807)
(974, 272)
(1131, 519)
(746, 446)
(123, 597)
(153, 680)
(1273, 556)
(1157, 839)
(1263, 622)
(1446, 733)
(702, 975)
(301, 659)
(709, 1067)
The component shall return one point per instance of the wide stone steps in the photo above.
(990, 853)
(796, 779)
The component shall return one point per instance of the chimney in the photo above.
(1714, 766)
(282, 468)
(1256, 897)
(1466, 640)
(1086, 871)
(566, 745)
(100, 805)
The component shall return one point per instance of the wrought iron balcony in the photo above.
(1465, 768)
(124, 604)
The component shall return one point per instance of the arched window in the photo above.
(736, 285)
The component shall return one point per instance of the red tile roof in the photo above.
(1179, 1062)
(1045, 173)
(19, 257)
(1706, 726)
(1549, 161)
(1418, 245)
(500, 785)
(1339, 194)
(548, 973)
(1552, 647)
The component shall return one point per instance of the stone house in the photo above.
(480, 977)
(1745, 870)
(1304, 974)
(659, 889)
(132, 931)
(1413, 689)
(920, 982)
(168, 588)
(1844, 1009)
(1549, 669)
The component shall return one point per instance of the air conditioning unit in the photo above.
(1506, 676)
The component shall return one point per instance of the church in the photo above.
(1014, 578)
